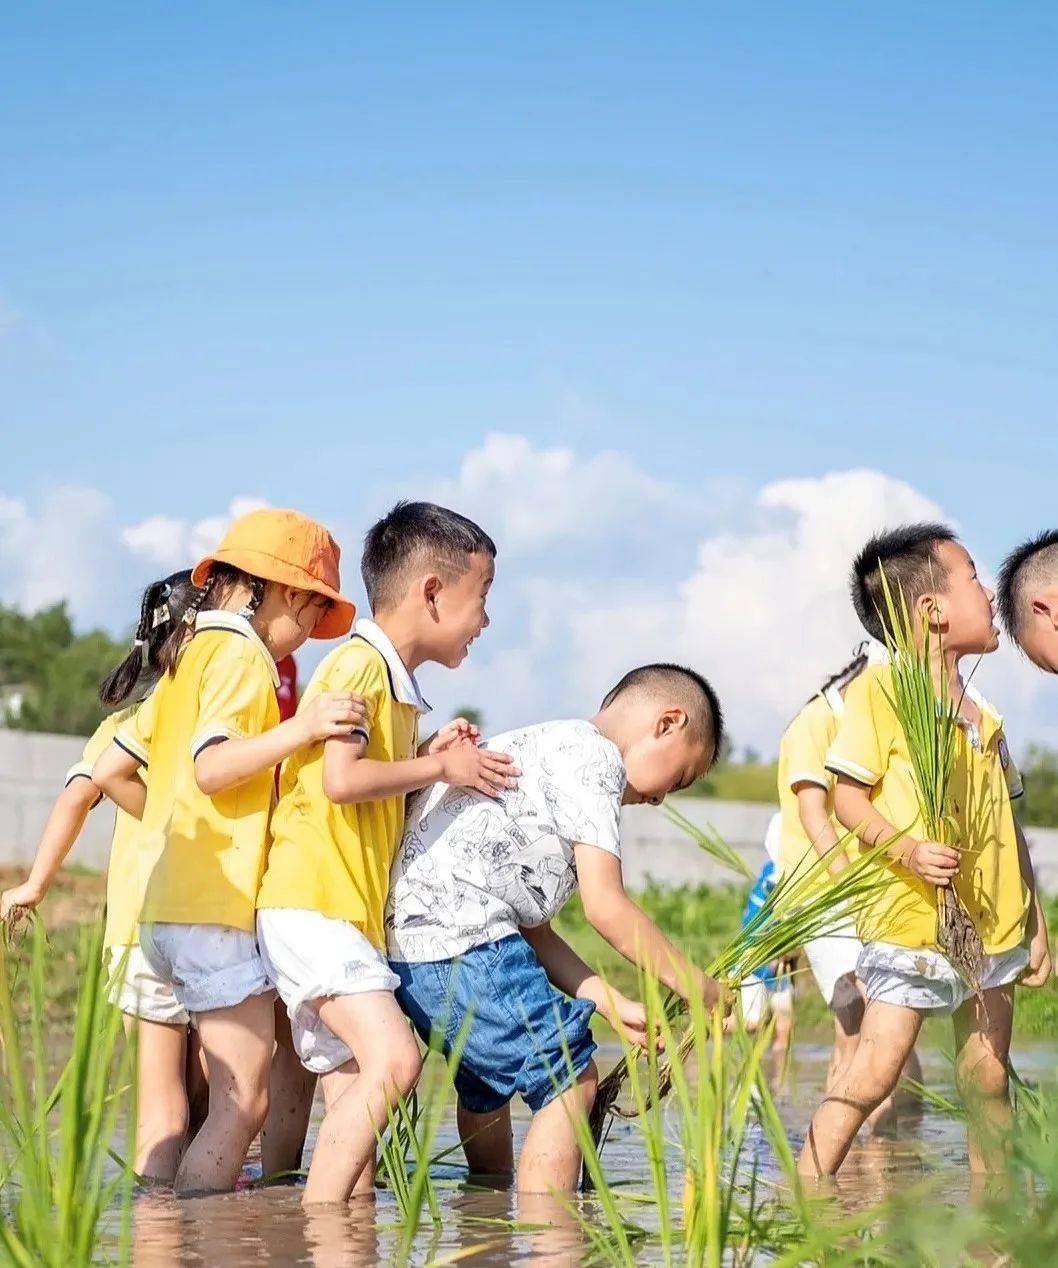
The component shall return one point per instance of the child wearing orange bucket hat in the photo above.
(210, 737)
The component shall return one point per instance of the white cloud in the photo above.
(601, 567)
(73, 547)
(168, 543)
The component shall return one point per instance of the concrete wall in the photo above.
(32, 769)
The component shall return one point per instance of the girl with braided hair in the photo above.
(167, 1065)
(809, 831)
(210, 737)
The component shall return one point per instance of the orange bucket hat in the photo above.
(287, 547)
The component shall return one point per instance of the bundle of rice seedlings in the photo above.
(797, 911)
(930, 722)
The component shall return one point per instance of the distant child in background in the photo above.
(1028, 599)
(167, 1055)
(769, 991)
(478, 880)
(427, 571)
(210, 737)
(905, 975)
(808, 834)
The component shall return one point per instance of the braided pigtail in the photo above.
(164, 603)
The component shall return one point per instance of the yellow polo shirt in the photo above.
(802, 760)
(123, 898)
(870, 747)
(336, 859)
(201, 858)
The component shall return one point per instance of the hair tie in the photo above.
(138, 642)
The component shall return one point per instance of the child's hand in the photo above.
(629, 1018)
(467, 766)
(332, 715)
(458, 731)
(26, 895)
(716, 995)
(1038, 971)
(932, 862)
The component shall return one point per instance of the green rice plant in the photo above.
(930, 722)
(711, 842)
(798, 910)
(406, 1150)
(56, 1137)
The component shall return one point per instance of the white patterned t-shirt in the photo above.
(472, 870)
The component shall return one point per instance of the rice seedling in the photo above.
(711, 842)
(406, 1150)
(56, 1137)
(930, 722)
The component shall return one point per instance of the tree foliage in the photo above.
(56, 670)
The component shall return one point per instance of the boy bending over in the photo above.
(477, 881)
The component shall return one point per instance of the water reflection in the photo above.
(269, 1226)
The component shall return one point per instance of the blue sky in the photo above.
(318, 254)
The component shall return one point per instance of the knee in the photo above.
(402, 1067)
(986, 1078)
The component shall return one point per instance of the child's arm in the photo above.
(64, 825)
(226, 763)
(116, 775)
(569, 973)
(1039, 968)
(929, 860)
(629, 930)
(818, 825)
(350, 777)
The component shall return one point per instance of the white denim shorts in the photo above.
(311, 957)
(923, 979)
(832, 957)
(138, 991)
(208, 966)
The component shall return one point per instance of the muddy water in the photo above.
(268, 1226)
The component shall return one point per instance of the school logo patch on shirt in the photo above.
(1004, 752)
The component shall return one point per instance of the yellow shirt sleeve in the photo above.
(134, 733)
(805, 748)
(234, 695)
(866, 733)
(361, 672)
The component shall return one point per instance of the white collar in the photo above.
(401, 679)
(984, 705)
(216, 619)
(836, 700)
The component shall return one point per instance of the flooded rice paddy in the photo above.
(269, 1226)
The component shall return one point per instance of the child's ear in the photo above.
(928, 607)
(674, 719)
(1046, 605)
(431, 588)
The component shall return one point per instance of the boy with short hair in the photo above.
(904, 973)
(339, 820)
(477, 881)
(1028, 599)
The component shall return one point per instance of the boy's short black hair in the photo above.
(691, 690)
(912, 568)
(1032, 562)
(412, 534)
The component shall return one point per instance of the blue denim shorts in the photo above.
(518, 1022)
